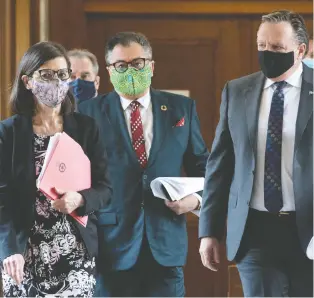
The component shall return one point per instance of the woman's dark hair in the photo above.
(21, 99)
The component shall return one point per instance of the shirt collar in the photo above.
(294, 80)
(144, 101)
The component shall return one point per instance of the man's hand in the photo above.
(187, 204)
(68, 202)
(14, 267)
(209, 251)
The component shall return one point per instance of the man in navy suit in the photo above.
(259, 174)
(148, 134)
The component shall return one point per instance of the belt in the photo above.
(284, 214)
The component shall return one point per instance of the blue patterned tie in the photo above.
(272, 174)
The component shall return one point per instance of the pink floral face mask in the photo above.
(50, 93)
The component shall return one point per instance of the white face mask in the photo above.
(309, 62)
(50, 93)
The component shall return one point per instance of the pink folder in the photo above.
(65, 167)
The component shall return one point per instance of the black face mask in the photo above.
(274, 64)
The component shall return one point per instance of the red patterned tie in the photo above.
(137, 133)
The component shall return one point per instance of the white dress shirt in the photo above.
(292, 93)
(146, 111)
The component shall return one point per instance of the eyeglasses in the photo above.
(49, 74)
(122, 66)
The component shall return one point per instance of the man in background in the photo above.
(309, 59)
(260, 170)
(148, 134)
(84, 77)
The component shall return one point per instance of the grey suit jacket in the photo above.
(231, 166)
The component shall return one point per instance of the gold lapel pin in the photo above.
(163, 108)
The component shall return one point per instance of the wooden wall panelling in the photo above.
(43, 20)
(200, 281)
(234, 282)
(67, 23)
(35, 25)
(196, 1)
(189, 64)
(195, 7)
(18, 30)
(309, 19)
(22, 28)
(232, 59)
(7, 54)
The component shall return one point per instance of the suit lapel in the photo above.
(23, 153)
(70, 127)
(253, 96)
(161, 111)
(305, 106)
(113, 111)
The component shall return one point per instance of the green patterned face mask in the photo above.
(132, 82)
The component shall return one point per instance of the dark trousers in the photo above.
(146, 279)
(270, 260)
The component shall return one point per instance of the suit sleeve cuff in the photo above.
(197, 210)
(81, 211)
(199, 199)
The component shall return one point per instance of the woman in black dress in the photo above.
(44, 251)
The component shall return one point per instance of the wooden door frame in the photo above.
(19, 28)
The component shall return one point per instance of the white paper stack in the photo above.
(176, 188)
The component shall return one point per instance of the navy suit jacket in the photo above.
(134, 209)
(231, 166)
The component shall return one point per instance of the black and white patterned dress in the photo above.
(56, 259)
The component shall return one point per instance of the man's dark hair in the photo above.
(295, 20)
(22, 99)
(125, 39)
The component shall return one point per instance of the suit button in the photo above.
(142, 204)
(144, 177)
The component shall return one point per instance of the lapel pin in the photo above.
(311, 92)
(163, 108)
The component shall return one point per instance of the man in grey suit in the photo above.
(259, 174)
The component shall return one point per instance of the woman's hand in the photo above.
(14, 266)
(68, 202)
